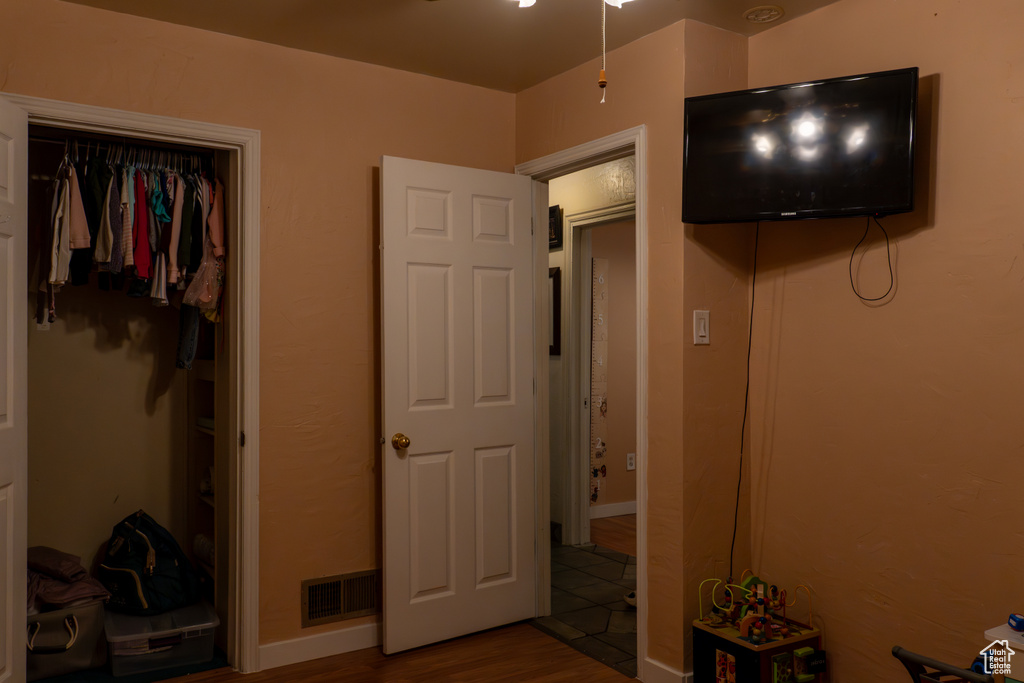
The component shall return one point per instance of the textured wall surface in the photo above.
(325, 122)
(888, 439)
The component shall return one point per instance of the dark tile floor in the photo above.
(588, 612)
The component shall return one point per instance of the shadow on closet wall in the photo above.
(146, 334)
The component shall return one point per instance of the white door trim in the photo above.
(244, 640)
(541, 419)
(631, 141)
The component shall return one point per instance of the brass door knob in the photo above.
(400, 442)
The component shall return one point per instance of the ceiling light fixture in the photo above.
(613, 3)
(602, 80)
(764, 14)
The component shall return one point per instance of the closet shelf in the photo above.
(205, 425)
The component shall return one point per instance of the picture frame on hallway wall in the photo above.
(555, 311)
(554, 227)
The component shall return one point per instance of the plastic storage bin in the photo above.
(66, 641)
(176, 638)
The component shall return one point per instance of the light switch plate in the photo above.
(702, 327)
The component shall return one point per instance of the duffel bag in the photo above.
(145, 569)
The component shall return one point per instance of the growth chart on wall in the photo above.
(598, 375)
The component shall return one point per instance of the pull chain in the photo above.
(602, 81)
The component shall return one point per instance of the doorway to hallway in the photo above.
(593, 431)
(593, 602)
(575, 502)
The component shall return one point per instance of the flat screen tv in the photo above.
(829, 148)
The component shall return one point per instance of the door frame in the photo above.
(244, 145)
(577, 271)
(632, 141)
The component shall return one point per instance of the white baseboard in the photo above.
(273, 655)
(613, 509)
(657, 672)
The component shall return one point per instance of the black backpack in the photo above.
(145, 570)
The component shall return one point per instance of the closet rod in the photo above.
(197, 151)
(48, 141)
(55, 135)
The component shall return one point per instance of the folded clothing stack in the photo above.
(57, 580)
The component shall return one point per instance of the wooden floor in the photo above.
(615, 533)
(513, 653)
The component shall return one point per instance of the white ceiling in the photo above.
(491, 43)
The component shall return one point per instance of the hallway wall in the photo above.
(616, 242)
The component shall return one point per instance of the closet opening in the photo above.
(133, 395)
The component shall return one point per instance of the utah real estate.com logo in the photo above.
(996, 657)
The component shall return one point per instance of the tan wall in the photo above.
(887, 462)
(324, 124)
(617, 243)
(647, 84)
(716, 266)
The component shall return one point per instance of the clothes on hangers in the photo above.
(204, 292)
(116, 220)
(137, 215)
(66, 229)
(127, 216)
(175, 236)
(67, 217)
(95, 173)
(140, 229)
(79, 227)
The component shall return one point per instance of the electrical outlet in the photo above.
(630, 461)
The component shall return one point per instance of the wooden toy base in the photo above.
(720, 655)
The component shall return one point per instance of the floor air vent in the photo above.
(335, 598)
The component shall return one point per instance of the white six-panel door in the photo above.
(13, 387)
(458, 340)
